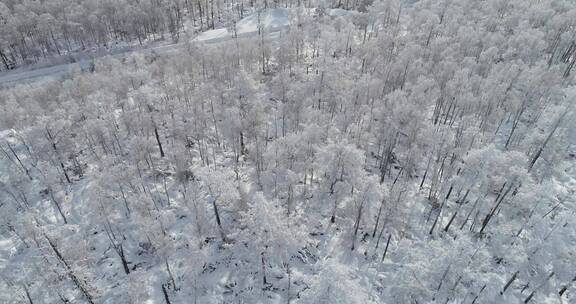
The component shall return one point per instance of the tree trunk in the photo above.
(289, 273)
(386, 248)
(125, 200)
(123, 259)
(57, 206)
(5, 60)
(170, 275)
(378, 218)
(58, 155)
(493, 211)
(27, 294)
(512, 279)
(537, 155)
(77, 282)
(218, 221)
(159, 143)
(264, 281)
(165, 292)
(478, 295)
(357, 226)
(19, 161)
(565, 287)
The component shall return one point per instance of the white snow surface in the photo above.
(269, 20)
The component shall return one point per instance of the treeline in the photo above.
(32, 30)
(36, 30)
(406, 153)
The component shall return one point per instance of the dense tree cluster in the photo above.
(32, 31)
(398, 153)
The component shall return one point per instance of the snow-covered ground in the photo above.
(270, 20)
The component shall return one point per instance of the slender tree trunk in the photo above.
(27, 294)
(218, 221)
(4, 60)
(289, 273)
(478, 295)
(386, 248)
(537, 155)
(170, 274)
(123, 259)
(493, 211)
(378, 218)
(565, 287)
(166, 189)
(19, 161)
(70, 272)
(165, 292)
(58, 155)
(357, 225)
(158, 141)
(264, 281)
(57, 204)
(512, 279)
(126, 205)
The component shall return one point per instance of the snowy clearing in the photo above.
(269, 20)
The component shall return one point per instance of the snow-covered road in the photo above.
(271, 20)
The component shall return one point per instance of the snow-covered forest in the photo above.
(303, 152)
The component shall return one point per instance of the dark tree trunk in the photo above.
(264, 280)
(218, 221)
(27, 294)
(165, 292)
(123, 259)
(539, 152)
(386, 248)
(512, 279)
(357, 226)
(5, 60)
(159, 143)
(70, 272)
(58, 155)
(57, 204)
(563, 290)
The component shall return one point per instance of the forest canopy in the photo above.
(370, 152)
